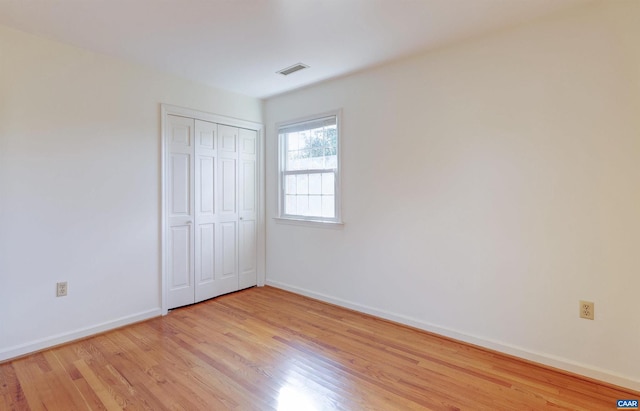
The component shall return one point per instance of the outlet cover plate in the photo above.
(61, 289)
(587, 310)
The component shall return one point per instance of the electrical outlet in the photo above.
(61, 289)
(587, 310)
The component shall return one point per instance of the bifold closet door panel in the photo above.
(180, 216)
(226, 277)
(206, 135)
(247, 222)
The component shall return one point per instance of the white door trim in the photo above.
(167, 109)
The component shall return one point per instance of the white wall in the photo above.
(487, 187)
(80, 187)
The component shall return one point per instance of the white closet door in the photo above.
(211, 209)
(180, 258)
(226, 275)
(248, 140)
(206, 134)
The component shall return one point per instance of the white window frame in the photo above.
(310, 220)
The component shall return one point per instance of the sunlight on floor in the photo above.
(293, 399)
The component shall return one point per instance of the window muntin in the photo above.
(309, 162)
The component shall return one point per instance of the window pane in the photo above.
(315, 206)
(302, 203)
(331, 161)
(307, 153)
(331, 136)
(300, 141)
(328, 183)
(290, 205)
(292, 141)
(290, 185)
(302, 184)
(318, 137)
(291, 160)
(315, 184)
(317, 163)
(311, 149)
(328, 206)
(300, 160)
(303, 139)
(317, 151)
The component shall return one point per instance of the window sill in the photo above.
(310, 223)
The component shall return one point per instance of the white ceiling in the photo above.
(238, 45)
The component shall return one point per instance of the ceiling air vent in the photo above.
(292, 69)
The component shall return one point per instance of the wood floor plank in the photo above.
(268, 349)
(13, 397)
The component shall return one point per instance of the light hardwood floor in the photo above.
(267, 349)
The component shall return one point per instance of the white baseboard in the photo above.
(540, 358)
(33, 346)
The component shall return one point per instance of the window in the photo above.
(309, 169)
